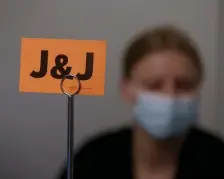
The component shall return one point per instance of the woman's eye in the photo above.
(154, 86)
(185, 85)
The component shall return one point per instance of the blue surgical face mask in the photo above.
(165, 116)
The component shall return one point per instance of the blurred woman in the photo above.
(162, 77)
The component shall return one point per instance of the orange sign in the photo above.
(44, 62)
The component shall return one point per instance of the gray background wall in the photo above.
(33, 126)
(219, 97)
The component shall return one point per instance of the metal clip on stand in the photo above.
(70, 130)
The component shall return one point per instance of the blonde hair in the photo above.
(159, 39)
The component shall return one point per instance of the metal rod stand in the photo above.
(70, 137)
(70, 128)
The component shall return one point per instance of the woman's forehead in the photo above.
(164, 64)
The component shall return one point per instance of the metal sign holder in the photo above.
(70, 127)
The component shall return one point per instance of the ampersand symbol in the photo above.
(60, 62)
